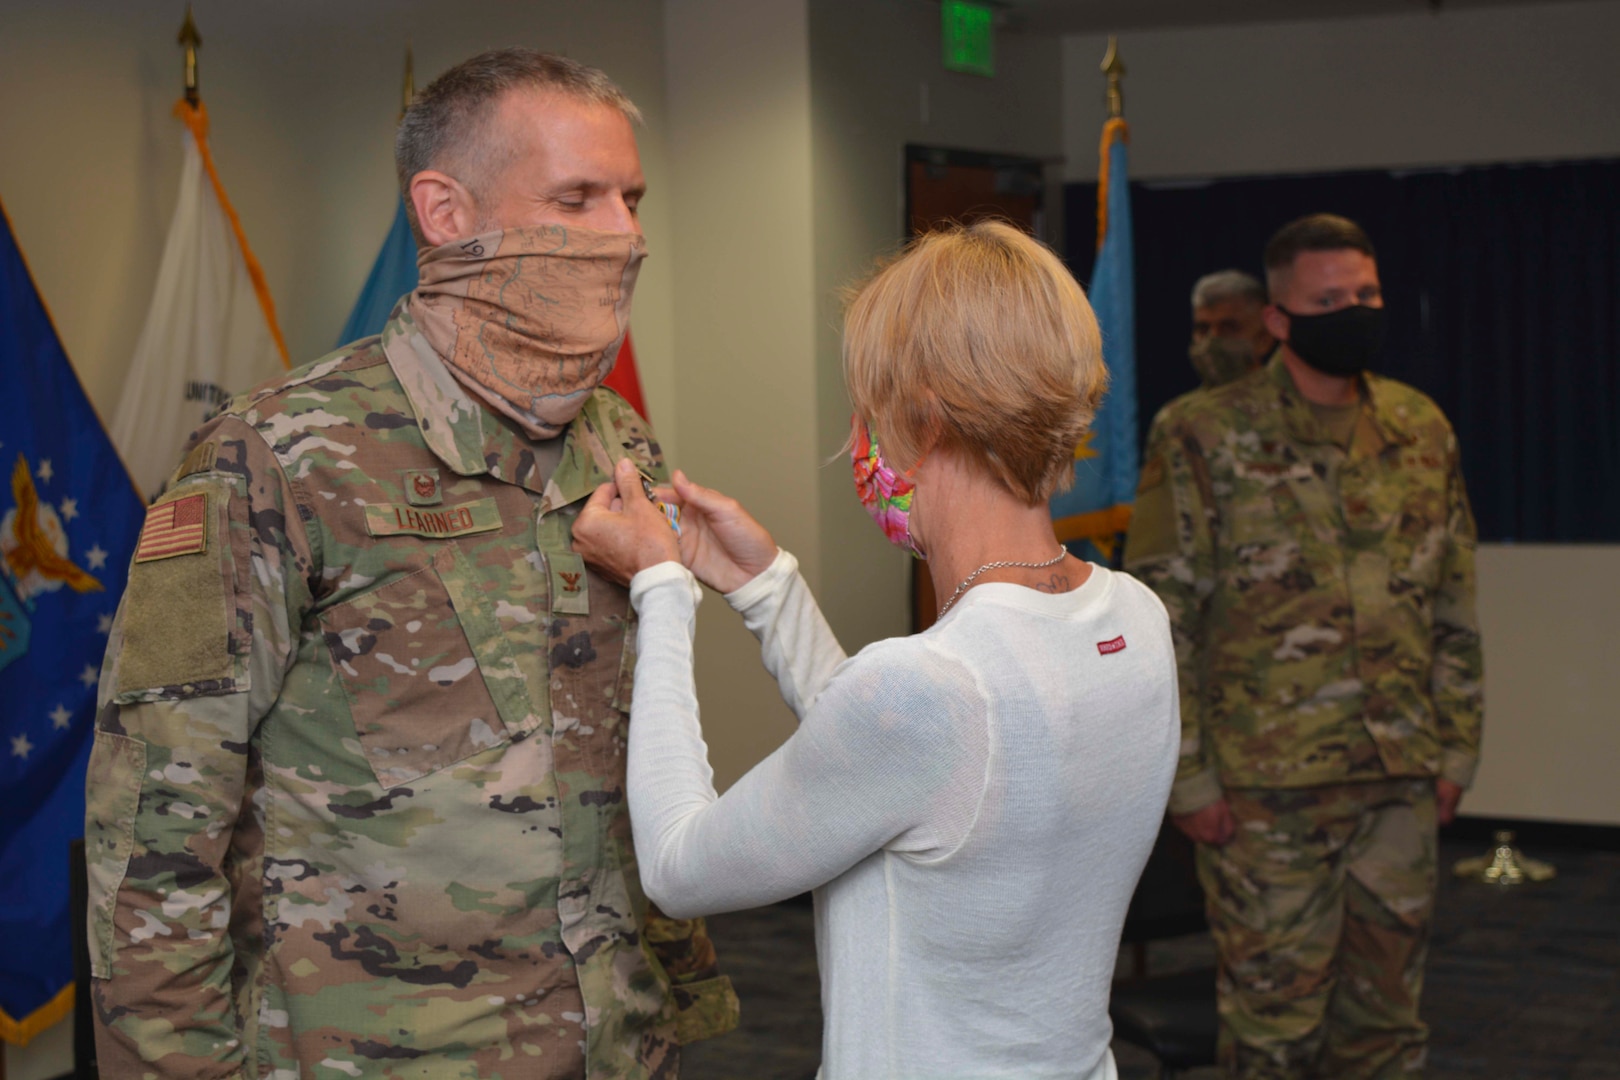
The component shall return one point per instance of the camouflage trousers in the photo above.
(1320, 909)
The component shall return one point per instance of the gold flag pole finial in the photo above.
(191, 40)
(409, 92)
(1114, 68)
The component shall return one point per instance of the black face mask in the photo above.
(1342, 342)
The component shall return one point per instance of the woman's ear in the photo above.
(924, 416)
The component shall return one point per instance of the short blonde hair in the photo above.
(977, 338)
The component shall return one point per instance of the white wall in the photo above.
(45, 1058)
(1473, 86)
(1552, 683)
(302, 97)
(1465, 86)
(739, 135)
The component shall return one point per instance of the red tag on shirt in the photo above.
(1117, 645)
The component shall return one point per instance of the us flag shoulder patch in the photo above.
(174, 528)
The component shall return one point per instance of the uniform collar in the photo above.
(472, 441)
(1302, 424)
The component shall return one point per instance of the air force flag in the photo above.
(69, 516)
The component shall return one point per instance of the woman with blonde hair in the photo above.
(973, 804)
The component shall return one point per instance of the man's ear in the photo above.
(445, 209)
(1276, 320)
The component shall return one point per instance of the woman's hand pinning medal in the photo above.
(629, 525)
(621, 531)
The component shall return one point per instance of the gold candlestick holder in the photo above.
(1504, 865)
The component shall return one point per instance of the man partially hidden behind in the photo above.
(1308, 529)
(1229, 335)
(1229, 341)
(356, 803)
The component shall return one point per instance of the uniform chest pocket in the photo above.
(592, 666)
(415, 689)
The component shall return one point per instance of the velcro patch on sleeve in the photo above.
(1153, 532)
(177, 613)
(398, 519)
(200, 460)
(174, 528)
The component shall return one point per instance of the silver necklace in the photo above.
(962, 588)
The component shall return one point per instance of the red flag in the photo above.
(623, 378)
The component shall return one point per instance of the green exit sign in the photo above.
(970, 38)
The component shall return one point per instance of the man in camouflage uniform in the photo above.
(1229, 340)
(356, 803)
(1308, 529)
(1229, 336)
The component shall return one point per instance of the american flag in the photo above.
(174, 528)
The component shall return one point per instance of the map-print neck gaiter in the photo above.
(530, 319)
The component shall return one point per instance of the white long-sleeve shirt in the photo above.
(972, 805)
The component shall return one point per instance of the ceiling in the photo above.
(1104, 16)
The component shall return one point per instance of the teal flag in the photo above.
(1091, 516)
(69, 516)
(392, 276)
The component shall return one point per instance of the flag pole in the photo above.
(1113, 128)
(190, 40)
(1114, 68)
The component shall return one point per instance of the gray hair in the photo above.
(1228, 285)
(447, 125)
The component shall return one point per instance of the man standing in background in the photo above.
(1229, 341)
(1309, 532)
(356, 804)
(1229, 337)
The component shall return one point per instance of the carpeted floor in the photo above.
(1522, 983)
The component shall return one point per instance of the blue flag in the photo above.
(392, 276)
(1091, 516)
(69, 517)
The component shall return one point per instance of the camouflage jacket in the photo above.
(356, 802)
(1322, 599)
(1208, 382)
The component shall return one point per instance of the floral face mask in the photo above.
(885, 493)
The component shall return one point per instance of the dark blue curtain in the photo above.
(1503, 287)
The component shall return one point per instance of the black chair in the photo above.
(1170, 1016)
(84, 1032)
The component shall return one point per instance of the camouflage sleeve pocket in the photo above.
(416, 692)
(705, 1009)
(112, 797)
(1152, 532)
(705, 1002)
